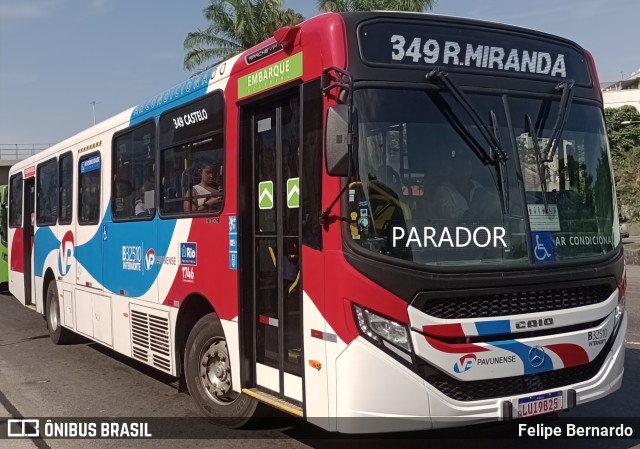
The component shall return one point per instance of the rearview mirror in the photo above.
(336, 140)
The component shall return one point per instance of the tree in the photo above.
(622, 138)
(235, 25)
(624, 141)
(371, 5)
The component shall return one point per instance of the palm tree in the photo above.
(235, 25)
(370, 5)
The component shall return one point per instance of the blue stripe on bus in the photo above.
(493, 327)
(104, 260)
(182, 93)
(44, 241)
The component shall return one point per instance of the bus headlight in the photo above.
(381, 329)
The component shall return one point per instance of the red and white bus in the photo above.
(389, 215)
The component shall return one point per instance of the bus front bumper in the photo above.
(375, 393)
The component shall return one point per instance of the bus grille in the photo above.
(513, 303)
(150, 339)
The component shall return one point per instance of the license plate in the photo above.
(539, 405)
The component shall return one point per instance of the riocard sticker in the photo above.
(293, 193)
(265, 195)
(270, 76)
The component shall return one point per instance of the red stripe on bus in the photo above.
(464, 348)
(570, 354)
(444, 330)
(17, 251)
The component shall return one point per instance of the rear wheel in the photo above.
(59, 335)
(208, 375)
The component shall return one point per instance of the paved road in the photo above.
(40, 379)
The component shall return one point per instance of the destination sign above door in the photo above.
(425, 45)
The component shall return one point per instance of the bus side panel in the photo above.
(65, 271)
(16, 263)
(46, 251)
(207, 272)
(121, 322)
(316, 378)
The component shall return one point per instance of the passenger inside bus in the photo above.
(144, 202)
(391, 178)
(207, 193)
(90, 198)
(454, 195)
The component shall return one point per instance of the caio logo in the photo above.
(65, 253)
(150, 259)
(465, 363)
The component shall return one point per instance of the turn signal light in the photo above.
(315, 364)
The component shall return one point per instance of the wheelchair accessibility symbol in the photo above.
(542, 245)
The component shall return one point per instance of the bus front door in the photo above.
(272, 268)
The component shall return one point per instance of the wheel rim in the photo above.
(215, 371)
(53, 314)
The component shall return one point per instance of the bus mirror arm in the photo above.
(325, 213)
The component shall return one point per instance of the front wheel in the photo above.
(208, 375)
(59, 335)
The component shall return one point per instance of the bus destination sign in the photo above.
(427, 45)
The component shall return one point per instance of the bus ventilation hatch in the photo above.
(150, 339)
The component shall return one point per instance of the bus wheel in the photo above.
(208, 375)
(59, 335)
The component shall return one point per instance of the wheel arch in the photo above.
(192, 309)
(47, 279)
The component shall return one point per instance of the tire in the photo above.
(208, 375)
(59, 335)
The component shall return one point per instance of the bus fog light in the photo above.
(622, 291)
(379, 328)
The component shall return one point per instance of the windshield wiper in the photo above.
(563, 112)
(465, 103)
(539, 162)
(496, 156)
(501, 171)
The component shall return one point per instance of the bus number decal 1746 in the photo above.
(187, 274)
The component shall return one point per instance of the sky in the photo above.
(59, 56)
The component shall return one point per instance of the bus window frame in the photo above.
(114, 161)
(70, 199)
(187, 142)
(79, 196)
(10, 208)
(39, 222)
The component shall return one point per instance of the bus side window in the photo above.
(188, 152)
(89, 189)
(15, 204)
(134, 173)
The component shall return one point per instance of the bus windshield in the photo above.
(425, 192)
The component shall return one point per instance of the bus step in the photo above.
(30, 306)
(269, 399)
